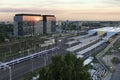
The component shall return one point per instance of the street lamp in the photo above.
(59, 43)
(10, 71)
(45, 61)
(32, 64)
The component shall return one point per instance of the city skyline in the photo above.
(63, 9)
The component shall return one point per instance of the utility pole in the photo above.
(32, 65)
(10, 71)
(45, 62)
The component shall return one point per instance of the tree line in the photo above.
(64, 68)
(5, 31)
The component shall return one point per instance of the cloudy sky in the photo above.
(63, 9)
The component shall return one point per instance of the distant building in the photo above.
(33, 24)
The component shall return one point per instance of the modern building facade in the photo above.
(33, 24)
(49, 22)
(109, 31)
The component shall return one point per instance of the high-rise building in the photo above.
(33, 24)
(49, 23)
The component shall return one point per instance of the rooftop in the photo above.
(108, 29)
(28, 15)
(48, 15)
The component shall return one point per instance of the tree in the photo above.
(57, 67)
(5, 31)
(44, 74)
(2, 37)
(115, 60)
(64, 68)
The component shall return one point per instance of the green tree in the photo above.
(64, 68)
(115, 60)
(69, 64)
(57, 67)
(2, 37)
(43, 73)
(5, 31)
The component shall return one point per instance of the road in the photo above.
(99, 56)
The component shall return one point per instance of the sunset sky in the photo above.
(62, 9)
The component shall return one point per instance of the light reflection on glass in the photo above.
(32, 18)
(51, 19)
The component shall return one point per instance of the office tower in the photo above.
(49, 23)
(33, 24)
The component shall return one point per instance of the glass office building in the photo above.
(49, 23)
(33, 24)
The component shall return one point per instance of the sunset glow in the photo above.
(32, 18)
(63, 9)
(37, 19)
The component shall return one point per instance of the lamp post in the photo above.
(10, 71)
(32, 65)
(59, 44)
(45, 62)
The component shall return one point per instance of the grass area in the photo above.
(115, 60)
